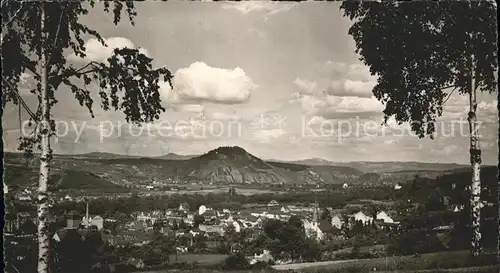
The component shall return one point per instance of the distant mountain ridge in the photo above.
(234, 165)
(382, 166)
(173, 156)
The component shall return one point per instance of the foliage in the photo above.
(183, 226)
(325, 215)
(155, 253)
(38, 42)
(287, 240)
(355, 249)
(82, 254)
(236, 262)
(198, 219)
(127, 80)
(272, 227)
(419, 49)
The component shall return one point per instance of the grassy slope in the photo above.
(440, 260)
(68, 179)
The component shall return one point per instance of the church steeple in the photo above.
(87, 220)
(316, 211)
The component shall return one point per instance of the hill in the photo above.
(22, 176)
(81, 180)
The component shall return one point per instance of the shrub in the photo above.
(236, 262)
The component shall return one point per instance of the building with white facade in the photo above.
(365, 219)
(337, 221)
(385, 217)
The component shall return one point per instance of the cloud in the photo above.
(306, 86)
(338, 91)
(267, 136)
(339, 79)
(200, 82)
(457, 107)
(331, 107)
(490, 107)
(351, 88)
(224, 116)
(448, 150)
(26, 83)
(488, 111)
(25, 77)
(95, 51)
(355, 72)
(271, 8)
(191, 108)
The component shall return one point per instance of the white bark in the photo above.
(43, 236)
(475, 160)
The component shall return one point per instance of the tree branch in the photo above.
(449, 95)
(448, 86)
(31, 69)
(57, 33)
(56, 80)
(85, 66)
(21, 100)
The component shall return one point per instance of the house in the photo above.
(273, 203)
(397, 186)
(384, 217)
(73, 220)
(285, 209)
(212, 229)
(181, 249)
(189, 219)
(194, 233)
(24, 197)
(345, 186)
(365, 219)
(264, 257)
(97, 221)
(337, 221)
(241, 224)
(184, 207)
(135, 226)
(138, 263)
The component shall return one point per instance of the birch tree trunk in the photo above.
(475, 160)
(43, 236)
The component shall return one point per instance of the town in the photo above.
(263, 228)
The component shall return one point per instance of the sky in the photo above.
(281, 80)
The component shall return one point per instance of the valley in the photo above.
(221, 167)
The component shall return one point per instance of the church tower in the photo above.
(87, 220)
(315, 221)
(316, 212)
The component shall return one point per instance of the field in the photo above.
(201, 259)
(242, 191)
(453, 261)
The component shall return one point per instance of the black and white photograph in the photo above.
(250, 136)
